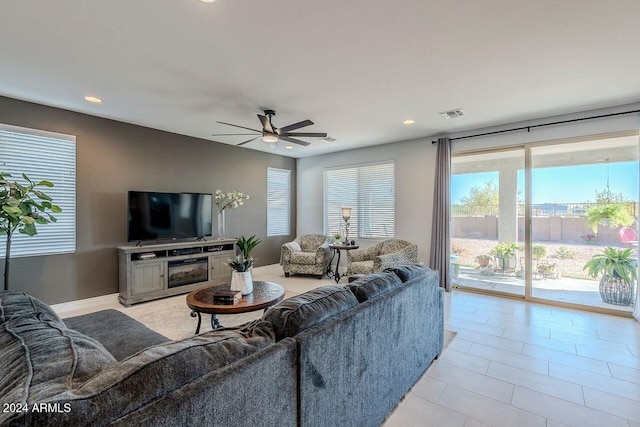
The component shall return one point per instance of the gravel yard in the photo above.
(468, 249)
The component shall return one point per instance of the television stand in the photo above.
(160, 270)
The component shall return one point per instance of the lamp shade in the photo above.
(346, 213)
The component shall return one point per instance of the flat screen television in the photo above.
(155, 216)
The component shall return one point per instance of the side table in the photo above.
(336, 250)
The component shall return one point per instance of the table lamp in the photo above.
(346, 216)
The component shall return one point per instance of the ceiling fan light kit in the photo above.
(271, 134)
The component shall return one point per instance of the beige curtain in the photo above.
(440, 249)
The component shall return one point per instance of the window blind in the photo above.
(42, 156)
(278, 202)
(369, 190)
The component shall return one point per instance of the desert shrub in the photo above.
(564, 253)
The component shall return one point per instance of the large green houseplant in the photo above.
(23, 207)
(608, 214)
(619, 271)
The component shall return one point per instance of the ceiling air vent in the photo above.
(452, 114)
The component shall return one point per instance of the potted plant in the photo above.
(337, 237)
(619, 271)
(506, 253)
(483, 260)
(241, 276)
(246, 245)
(539, 252)
(22, 207)
(610, 214)
(547, 270)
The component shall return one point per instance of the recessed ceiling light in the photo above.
(289, 147)
(408, 122)
(328, 139)
(93, 99)
(207, 1)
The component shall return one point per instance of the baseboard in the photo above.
(83, 304)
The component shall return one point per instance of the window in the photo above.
(43, 155)
(369, 190)
(278, 202)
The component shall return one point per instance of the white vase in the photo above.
(241, 281)
(221, 225)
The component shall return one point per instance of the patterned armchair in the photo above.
(307, 254)
(386, 254)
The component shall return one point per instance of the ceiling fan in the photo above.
(272, 134)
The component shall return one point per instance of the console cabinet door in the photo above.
(147, 277)
(219, 269)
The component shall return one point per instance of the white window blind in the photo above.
(278, 202)
(42, 156)
(369, 190)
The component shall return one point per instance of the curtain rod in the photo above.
(528, 128)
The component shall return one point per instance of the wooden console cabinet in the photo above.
(157, 271)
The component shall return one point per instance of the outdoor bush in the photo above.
(539, 252)
(564, 253)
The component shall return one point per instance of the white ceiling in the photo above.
(357, 68)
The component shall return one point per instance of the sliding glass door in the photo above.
(487, 224)
(584, 204)
(529, 221)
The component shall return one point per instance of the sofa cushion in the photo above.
(303, 311)
(408, 271)
(303, 258)
(39, 356)
(121, 335)
(159, 371)
(368, 287)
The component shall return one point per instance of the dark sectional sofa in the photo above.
(333, 356)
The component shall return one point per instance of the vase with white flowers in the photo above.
(226, 201)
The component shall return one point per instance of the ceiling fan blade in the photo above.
(230, 134)
(241, 127)
(248, 140)
(266, 124)
(295, 126)
(295, 141)
(307, 134)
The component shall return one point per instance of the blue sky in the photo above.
(573, 184)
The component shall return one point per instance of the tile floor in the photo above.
(515, 363)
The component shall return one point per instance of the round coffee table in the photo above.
(264, 295)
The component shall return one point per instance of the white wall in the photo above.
(415, 168)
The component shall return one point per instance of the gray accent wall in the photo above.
(115, 157)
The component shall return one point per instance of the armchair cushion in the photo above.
(361, 267)
(305, 258)
(383, 255)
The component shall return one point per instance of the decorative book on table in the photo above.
(227, 296)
